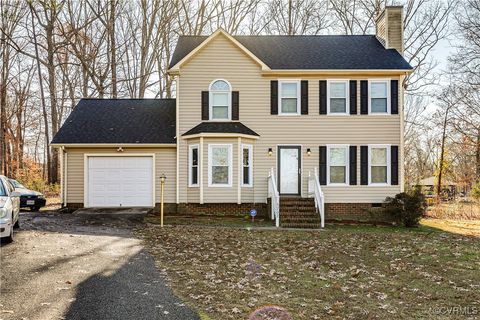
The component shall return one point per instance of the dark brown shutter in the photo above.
(364, 97)
(235, 105)
(304, 96)
(323, 96)
(353, 97)
(322, 175)
(394, 165)
(274, 97)
(364, 165)
(205, 96)
(394, 96)
(353, 165)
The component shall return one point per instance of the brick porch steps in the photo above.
(298, 213)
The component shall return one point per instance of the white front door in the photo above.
(120, 181)
(289, 170)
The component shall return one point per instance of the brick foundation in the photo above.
(222, 209)
(358, 212)
(74, 206)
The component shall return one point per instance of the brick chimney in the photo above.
(389, 28)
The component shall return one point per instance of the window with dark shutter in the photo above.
(205, 105)
(353, 97)
(323, 96)
(364, 165)
(353, 165)
(394, 165)
(364, 97)
(394, 96)
(274, 97)
(235, 105)
(323, 165)
(304, 96)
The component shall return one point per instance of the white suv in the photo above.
(9, 209)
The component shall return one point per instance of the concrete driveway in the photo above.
(68, 266)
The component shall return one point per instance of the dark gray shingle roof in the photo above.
(221, 127)
(362, 52)
(119, 121)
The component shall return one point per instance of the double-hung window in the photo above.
(337, 96)
(193, 165)
(337, 164)
(247, 165)
(379, 164)
(220, 100)
(289, 97)
(379, 92)
(220, 165)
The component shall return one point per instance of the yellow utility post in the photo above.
(162, 183)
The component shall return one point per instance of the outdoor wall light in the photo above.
(270, 152)
(309, 152)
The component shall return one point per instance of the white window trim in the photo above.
(230, 166)
(388, 147)
(347, 165)
(250, 161)
(210, 101)
(190, 158)
(347, 95)
(297, 82)
(370, 81)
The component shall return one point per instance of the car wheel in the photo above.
(9, 239)
(34, 208)
(17, 224)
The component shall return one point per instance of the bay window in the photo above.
(247, 168)
(219, 165)
(193, 165)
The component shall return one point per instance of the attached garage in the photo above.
(119, 181)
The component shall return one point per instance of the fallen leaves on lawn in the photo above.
(231, 273)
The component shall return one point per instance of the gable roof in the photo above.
(324, 52)
(221, 127)
(120, 121)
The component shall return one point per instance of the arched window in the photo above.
(220, 100)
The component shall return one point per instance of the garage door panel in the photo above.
(120, 181)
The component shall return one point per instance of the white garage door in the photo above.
(120, 181)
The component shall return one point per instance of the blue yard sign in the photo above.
(253, 213)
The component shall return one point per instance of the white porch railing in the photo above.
(274, 197)
(315, 191)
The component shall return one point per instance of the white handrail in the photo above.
(314, 190)
(274, 196)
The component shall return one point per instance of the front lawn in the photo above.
(355, 272)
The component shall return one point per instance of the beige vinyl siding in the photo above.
(165, 160)
(221, 59)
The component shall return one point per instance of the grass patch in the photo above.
(344, 271)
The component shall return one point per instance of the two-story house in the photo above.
(256, 119)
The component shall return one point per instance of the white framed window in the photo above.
(337, 97)
(220, 165)
(337, 164)
(220, 100)
(289, 97)
(379, 164)
(193, 165)
(247, 165)
(379, 96)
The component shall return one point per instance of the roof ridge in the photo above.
(125, 99)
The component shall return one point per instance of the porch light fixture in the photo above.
(270, 152)
(309, 152)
